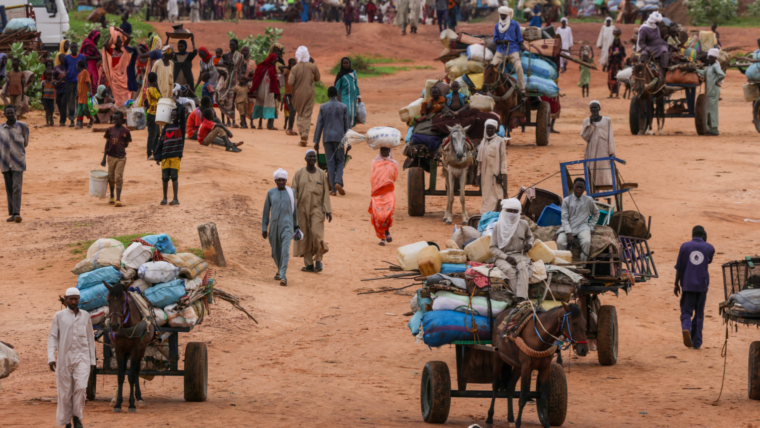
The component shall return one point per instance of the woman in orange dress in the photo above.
(382, 206)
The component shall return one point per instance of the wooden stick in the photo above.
(396, 275)
(570, 58)
(389, 289)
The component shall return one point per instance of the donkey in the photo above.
(503, 89)
(538, 340)
(457, 158)
(649, 88)
(130, 334)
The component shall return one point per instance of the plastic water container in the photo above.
(429, 261)
(453, 256)
(407, 255)
(98, 183)
(541, 251)
(482, 103)
(478, 250)
(164, 110)
(550, 216)
(411, 111)
(751, 92)
(564, 255)
(136, 117)
(551, 244)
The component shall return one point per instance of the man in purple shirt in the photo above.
(693, 278)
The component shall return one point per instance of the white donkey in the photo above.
(457, 152)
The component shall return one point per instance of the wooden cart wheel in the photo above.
(435, 392)
(543, 124)
(756, 114)
(700, 115)
(557, 406)
(633, 115)
(415, 192)
(607, 336)
(196, 372)
(753, 368)
(92, 384)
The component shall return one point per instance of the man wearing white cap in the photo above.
(605, 41)
(509, 41)
(71, 333)
(492, 167)
(650, 43)
(313, 201)
(714, 76)
(510, 242)
(279, 223)
(302, 78)
(566, 34)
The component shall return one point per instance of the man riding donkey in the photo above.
(651, 44)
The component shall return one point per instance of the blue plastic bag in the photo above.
(486, 219)
(162, 243)
(20, 25)
(93, 297)
(444, 327)
(753, 71)
(96, 277)
(165, 294)
(447, 268)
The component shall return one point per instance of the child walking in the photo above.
(241, 101)
(152, 100)
(48, 97)
(84, 89)
(587, 55)
(168, 154)
(117, 138)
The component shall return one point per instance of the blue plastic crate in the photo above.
(550, 216)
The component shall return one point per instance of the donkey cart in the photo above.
(737, 277)
(642, 110)
(475, 366)
(195, 370)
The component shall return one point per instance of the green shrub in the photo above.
(705, 12)
(31, 62)
(753, 9)
(259, 45)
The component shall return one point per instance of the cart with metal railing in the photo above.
(738, 276)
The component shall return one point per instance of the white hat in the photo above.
(595, 102)
(280, 173)
(72, 292)
(563, 20)
(714, 52)
(310, 151)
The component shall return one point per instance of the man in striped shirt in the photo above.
(14, 137)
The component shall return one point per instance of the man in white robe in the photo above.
(600, 143)
(605, 41)
(172, 10)
(415, 14)
(492, 167)
(566, 34)
(71, 333)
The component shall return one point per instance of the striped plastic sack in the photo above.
(189, 264)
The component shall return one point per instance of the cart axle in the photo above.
(489, 394)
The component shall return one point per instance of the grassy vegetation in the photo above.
(82, 246)
(197, 251)
(364, 66)
(80, 28)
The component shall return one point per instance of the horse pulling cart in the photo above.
(194, 372)
(737, 277)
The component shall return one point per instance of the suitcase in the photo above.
(546, 47)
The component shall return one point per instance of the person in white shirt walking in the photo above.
(566, 34)
(71, 333)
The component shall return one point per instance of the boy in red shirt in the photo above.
(216, 133)
(195, 119)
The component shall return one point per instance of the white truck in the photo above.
(51, 16)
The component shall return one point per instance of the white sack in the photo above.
(157, 272)
(377, 137)
(136, 255)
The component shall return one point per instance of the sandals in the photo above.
(283, 282)
(381, 243)
(388, 238)
(307, 268)
(277, 276)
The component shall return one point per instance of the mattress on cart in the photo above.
(745, 303)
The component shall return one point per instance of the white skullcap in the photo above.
(280, 173)
(595, 102)
(72, 292)
(714, 52)
(511, 204)
(491, 122)
(608, 19)
(302, 54)
(310, 151)
(563, 20)
(506, 10)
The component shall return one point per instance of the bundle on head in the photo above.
(376, 138)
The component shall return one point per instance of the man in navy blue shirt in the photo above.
(125, 25)
(693, 278)
(70, 63)
(508, 38)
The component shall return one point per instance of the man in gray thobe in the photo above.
(71, 333)
(280, 206)
(579, 217)
(14, 137)
(333, 122)
(714, 76)
(510, 242)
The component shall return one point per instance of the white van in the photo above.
(51, 16)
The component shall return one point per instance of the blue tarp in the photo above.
(448, 268)
(162, 243)
(93, 297)
(443, 327)
(486, 219)
(96, 277)
(165, 294)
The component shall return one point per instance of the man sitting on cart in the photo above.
(577, 209)
(510, 242)
(509, 43)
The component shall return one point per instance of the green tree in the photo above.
(30, 61)
(259, 45)
(705, 12)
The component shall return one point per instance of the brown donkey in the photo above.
(533, 348)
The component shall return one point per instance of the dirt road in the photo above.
(323, 356)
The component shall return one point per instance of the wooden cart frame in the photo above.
(695, 104)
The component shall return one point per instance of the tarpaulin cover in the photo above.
(749, 299)
(162, 243)
(443, 327)
(97, 276)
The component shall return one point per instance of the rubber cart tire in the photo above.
(633, 116)
(196, 372)
(543, 124)
(753, 378)
(756, 114)
(557, 397)
(607, 336)
(415, 192)
(700, 115)
(435, 392)
(92, 384)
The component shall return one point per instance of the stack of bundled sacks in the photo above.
(151, 267)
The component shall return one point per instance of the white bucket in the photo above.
(98, 183)
(164, 111)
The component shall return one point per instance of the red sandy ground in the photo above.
(323, 356)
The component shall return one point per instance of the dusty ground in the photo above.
(323, 356)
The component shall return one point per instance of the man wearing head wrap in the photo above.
(71, 334)
(600, 143)
(510, 242)
(279, 222)
(692, 276)
(313, 200)
(509, 41)
(302, 78)
(605, 41)
(566, 34)
(650, 43)
(164, 70)
(579, 217)
(333, 121)
(714, 76)
(492, 167)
